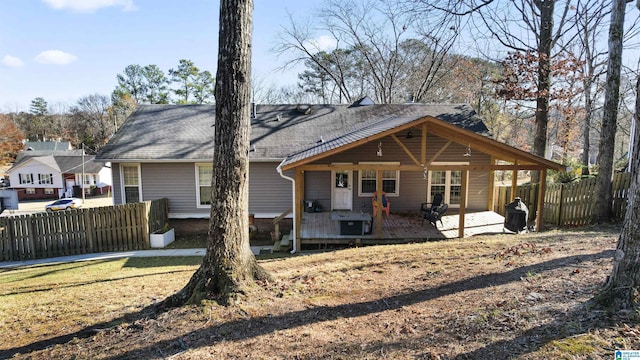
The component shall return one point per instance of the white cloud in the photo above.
(322, 43)
(12, 61)
(55, 57)
(89, 6)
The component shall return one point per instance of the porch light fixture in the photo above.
(379, 153)
(409, 135)
(468, 153)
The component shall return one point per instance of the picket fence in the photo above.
(570, 204)
(74, 232)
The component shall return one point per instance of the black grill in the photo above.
(516, 215)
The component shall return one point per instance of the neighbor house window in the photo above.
(45, 179)
(131, 184)
(31, 191)
(48, 191)
(25, 178)
(368, 183)
(204, 176)
(447, 183)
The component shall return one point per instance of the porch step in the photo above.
(284, 244)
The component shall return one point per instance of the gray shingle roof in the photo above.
(185, 132)
(48, 145)
(33, 153)
(66, 164)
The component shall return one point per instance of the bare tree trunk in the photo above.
(229, 267)
(544, 81)
(622, 290)
(588, 111)
(610, 115)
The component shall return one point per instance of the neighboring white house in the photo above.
(56, 176)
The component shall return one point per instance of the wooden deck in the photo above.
(319, 228)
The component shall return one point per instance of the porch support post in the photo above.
(492, 187)
(299, 194)
(379, 204)
(541, 193)
(463, 203)
(514, 183)
(423, 146)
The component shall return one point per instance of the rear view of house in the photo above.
(334, 157)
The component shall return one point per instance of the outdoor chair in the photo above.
(436, 215)
(429, 207)
(385, 204)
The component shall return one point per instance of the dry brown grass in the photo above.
(490, 297)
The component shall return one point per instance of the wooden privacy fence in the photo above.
(569, 204)
(110, 228)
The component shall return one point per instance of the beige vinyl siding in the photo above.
(269, 193)
(117, 185)
(317, 186)
(174, 181)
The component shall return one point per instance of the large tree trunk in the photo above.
(622, 290)
(229, 267)
(544, 80)
(610, 114)
(588, 111)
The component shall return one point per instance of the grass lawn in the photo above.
(489, 297)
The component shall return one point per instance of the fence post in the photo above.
(31, 238)
(12, 239)
(561, 200)
(146, 207)
(89, 229)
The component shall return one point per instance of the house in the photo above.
(37, 175)
(335, 156)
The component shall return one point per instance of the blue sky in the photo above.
(64, 49)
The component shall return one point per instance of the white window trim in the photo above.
(198, 200)
(447, 191)
(25, 179)
(122, 187)
(364, 194)
(42, 179)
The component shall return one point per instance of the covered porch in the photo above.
(320, 228)
(399, 145)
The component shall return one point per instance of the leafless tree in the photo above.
(380, 46)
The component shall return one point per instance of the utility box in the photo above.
(8, 199)
(351, 228)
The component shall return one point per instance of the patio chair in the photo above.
(386, 204)
(436, 215)
(428, 207)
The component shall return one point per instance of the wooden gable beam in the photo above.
(444, 147)
(453, 167)
(489, 146)
(405, 149)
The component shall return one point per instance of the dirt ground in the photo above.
(503, 296)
